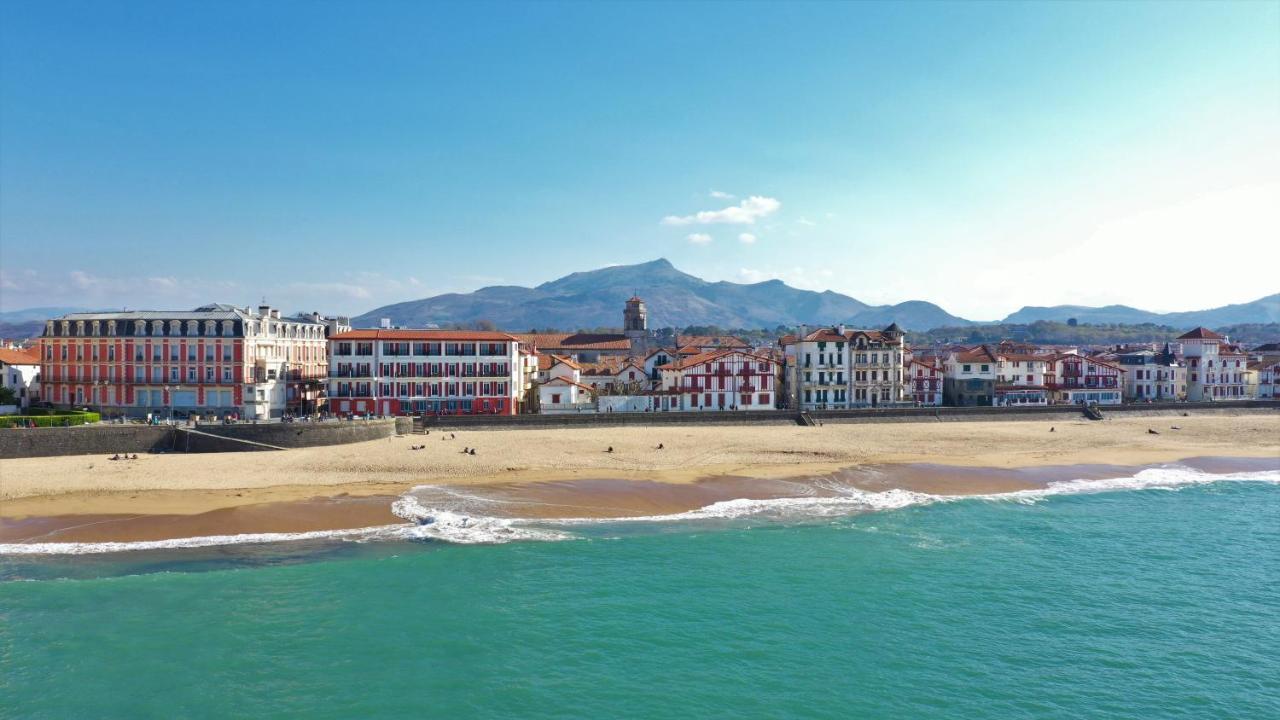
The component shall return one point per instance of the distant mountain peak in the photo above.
(594, 298)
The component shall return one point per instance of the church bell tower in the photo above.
(635, 324)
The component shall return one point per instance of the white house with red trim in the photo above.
(432, 372)
(718, 380)
(1079, 379)
(924, 381)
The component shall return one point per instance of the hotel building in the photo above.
(432, 372)
(216, 359)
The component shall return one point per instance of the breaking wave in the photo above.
(452, 526)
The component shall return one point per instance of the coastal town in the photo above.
(229, 363)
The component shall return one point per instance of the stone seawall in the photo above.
(111, 439)
(85, 440)
(302, 434)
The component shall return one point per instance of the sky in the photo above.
(338, 156)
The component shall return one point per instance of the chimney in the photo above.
(264, 310)
(840, 328)
(385, 323)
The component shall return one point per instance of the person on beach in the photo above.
(610, 449)
(473, 451)
(115, 457)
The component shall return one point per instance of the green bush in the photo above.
(57, 418)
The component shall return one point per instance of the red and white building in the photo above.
(1079, 379)
(718, 380)
(924, 381)
(432, 372)
(216, 359)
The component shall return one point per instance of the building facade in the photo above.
(1152, 376)
(837, 368)
(1215, 368)
(216, 359)
(924, 382)
(719, 380)
(970, 377)
(1082, 380)
(20, 375)
(431, 372)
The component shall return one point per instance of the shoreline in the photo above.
(576, 499)
(338, 487)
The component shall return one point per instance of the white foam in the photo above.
(1172, 477)
(89, 548)
(466, 529)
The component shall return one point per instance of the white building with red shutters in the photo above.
(214, 360)
(1215, 368)
(432, 372)
(718, 380)
(924, 381)
(1079, 379)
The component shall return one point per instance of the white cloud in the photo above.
(744, 213)
(718, 195)
(807, 222)
(747, 239)
(699, 238)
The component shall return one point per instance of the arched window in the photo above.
(210, 328)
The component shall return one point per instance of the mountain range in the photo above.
(595, 298)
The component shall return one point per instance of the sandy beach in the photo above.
(178, 484)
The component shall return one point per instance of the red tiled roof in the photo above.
(561, 379)
(19, 357)
(1201, 333)
(979, 354)
(422, 335)
(710, 356)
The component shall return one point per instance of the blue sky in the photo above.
(339, 156)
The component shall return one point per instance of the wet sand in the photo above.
(574, 498)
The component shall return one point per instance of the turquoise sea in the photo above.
(1128, 603)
